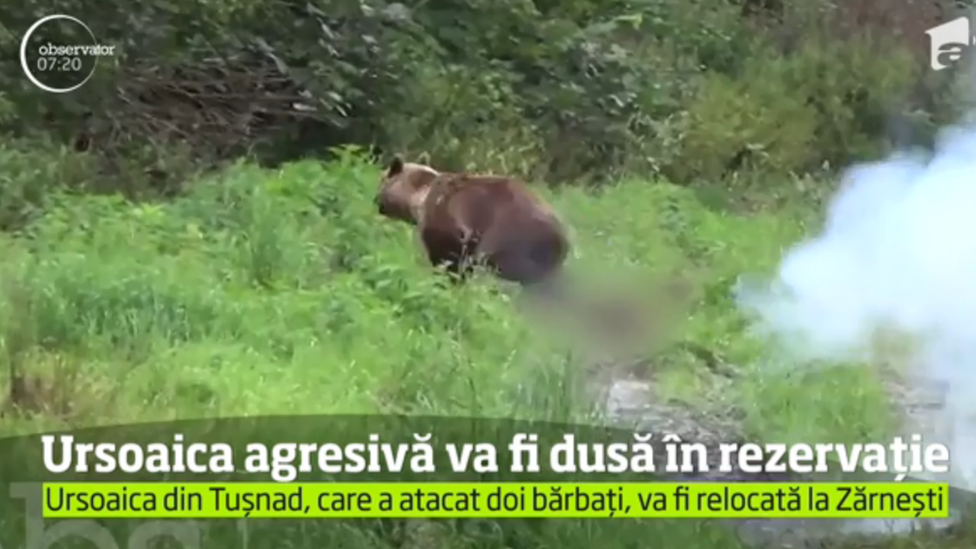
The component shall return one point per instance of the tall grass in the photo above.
(274, 292)
(281, 292)
(258, 293)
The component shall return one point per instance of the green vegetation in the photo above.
(188, 235)
(284, 292)
(690, 90)
(273, 292)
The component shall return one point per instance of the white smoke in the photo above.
(897, 252)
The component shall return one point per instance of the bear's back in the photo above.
(499, 220)
(479, 201)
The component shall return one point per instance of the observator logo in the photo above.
(59, 53)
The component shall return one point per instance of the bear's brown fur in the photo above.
(466, 219)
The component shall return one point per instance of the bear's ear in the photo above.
(396, 166)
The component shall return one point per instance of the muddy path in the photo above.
(631, 397)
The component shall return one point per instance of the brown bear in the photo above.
(466, 219)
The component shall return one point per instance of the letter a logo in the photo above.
(947, 42)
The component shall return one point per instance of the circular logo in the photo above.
(59, 53)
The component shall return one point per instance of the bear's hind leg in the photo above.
(445, 251)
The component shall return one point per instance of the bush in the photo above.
(570, 90)
(734, 125)
(823, 104)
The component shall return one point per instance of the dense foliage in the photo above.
(559, 90)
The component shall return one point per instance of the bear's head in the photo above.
(403, 189)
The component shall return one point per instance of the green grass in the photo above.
(280, 292)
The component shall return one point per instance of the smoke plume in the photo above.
(896, 256)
